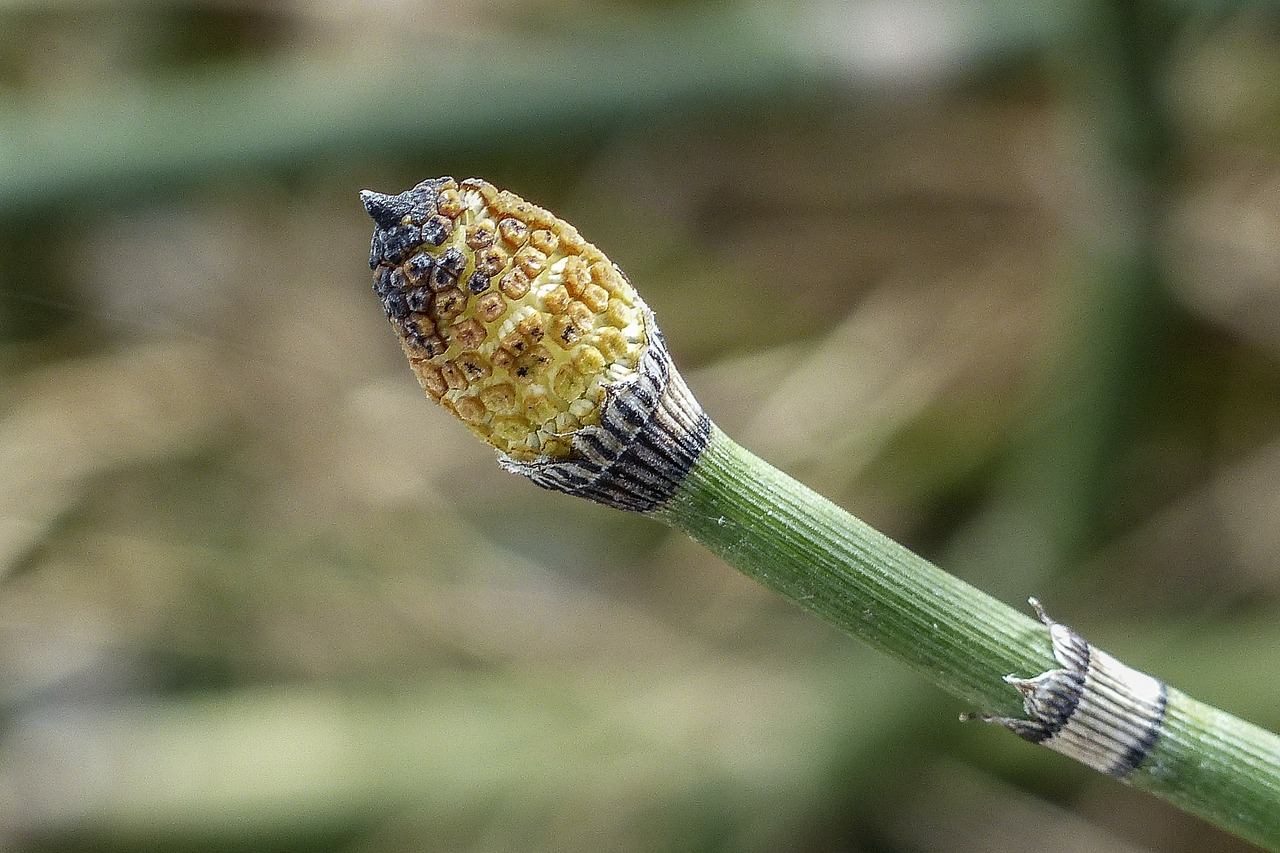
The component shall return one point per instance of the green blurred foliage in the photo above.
(259, 594)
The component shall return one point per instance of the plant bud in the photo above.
(533, 339)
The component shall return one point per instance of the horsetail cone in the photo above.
(535, 340)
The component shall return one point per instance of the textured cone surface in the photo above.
(508, 317)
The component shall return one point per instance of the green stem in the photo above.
(650, 448)
(798, 543)
(1219, 767)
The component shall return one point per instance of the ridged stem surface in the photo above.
(796, 542)
(1219, 767)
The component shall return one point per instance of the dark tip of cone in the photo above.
(386, 210)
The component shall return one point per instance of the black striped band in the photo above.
(651, 432)
(1094, 709)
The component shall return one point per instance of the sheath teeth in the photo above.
(1093, 708)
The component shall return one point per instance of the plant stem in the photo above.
(798, 543)
(627, 432)
(1217, 766)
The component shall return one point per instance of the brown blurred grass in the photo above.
(260, 594)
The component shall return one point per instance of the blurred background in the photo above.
(1000, 276)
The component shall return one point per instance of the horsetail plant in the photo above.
(542, 347)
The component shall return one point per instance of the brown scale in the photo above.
(490, 307)
(490, 261)
(544, 240)
(473, 366)
(514, 285)
(556, 301)
(595, 297)
(454, 378)
(470, 409)
(500, 398)
(479, 235)
(449, 203)
(449, 304)
(531, 261)
(531, 359)
(576, 276)
(430, 376)
(468, 334)
(513, 231)
(565, 332)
